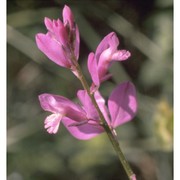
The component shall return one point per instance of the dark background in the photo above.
(145, 29)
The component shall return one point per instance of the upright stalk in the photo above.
(106, 127)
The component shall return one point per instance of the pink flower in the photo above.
(61, 42)
(83, 121)
(106, 53)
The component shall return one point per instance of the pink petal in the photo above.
(59, 32)
(77, 43)
(48, 23)
(122, 104)
(104, 63)
(62, 105)
(56, 28)
(49, 103)
(103, 45)
(109, 54)
(121, 55)
(52, 123)
(89, 106)
(93, 69)
(105, 50)
(84, 131)
(68, 16)
(133, 177)
(102, 106)
(113, 41)
(52, 49)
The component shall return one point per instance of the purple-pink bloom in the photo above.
(106, 53)
(83, 121)
(61, 42)
(60, 107)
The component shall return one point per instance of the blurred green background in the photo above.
(144, 27)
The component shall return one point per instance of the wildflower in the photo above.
(106, 53)
(83, 122)
(61, 43)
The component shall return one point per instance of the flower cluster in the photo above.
(61, 41)
(61, 45)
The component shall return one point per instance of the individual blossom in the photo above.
(106, 53)
(83, 121)
(61, 43)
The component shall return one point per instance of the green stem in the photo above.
(108, 130)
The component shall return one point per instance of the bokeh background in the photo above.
(144, 27)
